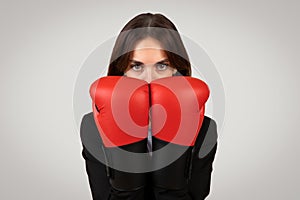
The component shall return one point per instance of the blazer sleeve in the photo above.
(92, 153)
(202, 161)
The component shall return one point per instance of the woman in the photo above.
(150, 48)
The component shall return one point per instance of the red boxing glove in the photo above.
(178, 105)
(121, 109)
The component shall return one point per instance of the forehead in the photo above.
(148, 50)
(148, 42)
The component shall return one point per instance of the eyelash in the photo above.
(135, 65)
(162, 64)
(157, 65)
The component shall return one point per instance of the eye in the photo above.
(136, 67)
(162, 66)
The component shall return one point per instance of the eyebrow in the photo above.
(141, 63)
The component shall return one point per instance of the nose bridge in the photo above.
(149, 70)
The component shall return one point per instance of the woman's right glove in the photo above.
(121, 113)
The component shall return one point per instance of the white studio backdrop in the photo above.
(254, 46)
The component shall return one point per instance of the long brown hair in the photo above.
(145, 25)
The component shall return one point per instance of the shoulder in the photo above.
(88, 123)
(87, 118)
(89, 133)
(207, 138)
(208, 123)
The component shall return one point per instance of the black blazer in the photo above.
(202, 162)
